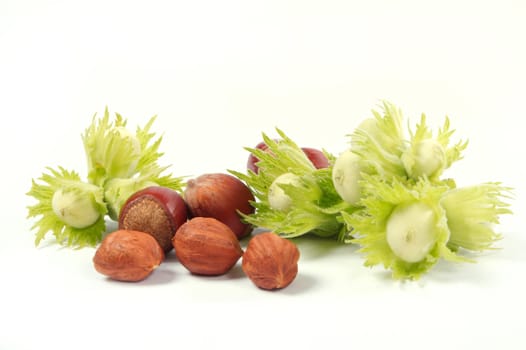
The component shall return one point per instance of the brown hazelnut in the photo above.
(206, 246)
(270, 261)
(223, 197)
(156, 210)
(126, 255)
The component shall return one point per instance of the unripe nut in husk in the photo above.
(223, 197)
(156, 210)
(126, 255)
(206, 246)
(270, 261)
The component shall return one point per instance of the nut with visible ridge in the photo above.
(126, 255)
(270, 261)
(206, 246)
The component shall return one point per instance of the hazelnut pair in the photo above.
(206, 246)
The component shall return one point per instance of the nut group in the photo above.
(204, 234)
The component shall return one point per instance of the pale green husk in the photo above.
(368, 225)
(119, 164)
(397, 175)
(315, 203)
(472, 214)
(49, 222)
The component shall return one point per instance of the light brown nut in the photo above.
(270, 261)
(127, 255)
(206, 246)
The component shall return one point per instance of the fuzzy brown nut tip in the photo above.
(270, 261)
(126, 255)
(156, 210)
(206, 246)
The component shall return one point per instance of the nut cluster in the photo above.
(203, 228)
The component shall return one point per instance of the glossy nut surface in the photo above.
(220, 196)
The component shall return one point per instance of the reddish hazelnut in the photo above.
(159, 211)
(270, 261)
(252, 159)
(206, 246)
(126, 255)
(220, 196)
(317, 157)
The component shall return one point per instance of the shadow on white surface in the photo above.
(302, 284)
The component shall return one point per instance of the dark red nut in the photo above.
(220, 196)
(252, 159)
(206, 246)
(129, 256)
(317, 157)
(156, 210)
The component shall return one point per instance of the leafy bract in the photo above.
(119, 164)
(472, 213)
(314, 202)
(428, 156)
(48, 221)
(379, 141)
(368, 224)
(397, 172)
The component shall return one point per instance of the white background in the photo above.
(218, 74)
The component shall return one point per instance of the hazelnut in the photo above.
(126, 255)
(206, 246)
(156, 210)
(316, 157)
(220, 196)
(270, 261)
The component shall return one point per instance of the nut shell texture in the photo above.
(155, 210)
(270, 261)
(206, 246)
(126, 255)
(220, 196)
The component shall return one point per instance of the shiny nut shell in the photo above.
(220, 196)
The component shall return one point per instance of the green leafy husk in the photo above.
(65, 234)
(119, 164)
(315, 203)
(472, 213)
(368, 224)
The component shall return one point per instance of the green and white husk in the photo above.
(369, 225)
(119, 164)
(386, 193)
(428, 156)
(381, 144)
(472, 213)
(312, 206)
(379, 141)
(409, 216)
(90, 196)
